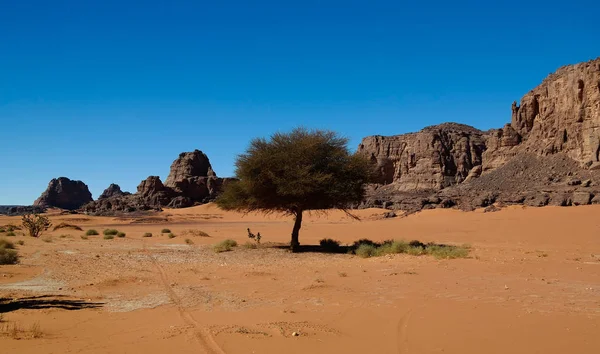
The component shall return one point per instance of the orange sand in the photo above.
(532, 285)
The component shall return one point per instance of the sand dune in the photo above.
(531, 284)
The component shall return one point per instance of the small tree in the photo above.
(36, 224)
(296, 172)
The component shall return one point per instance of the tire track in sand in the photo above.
(201, 334)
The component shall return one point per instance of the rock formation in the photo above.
(112, 191)
(65, 194)
(556, 125)
(191, 181)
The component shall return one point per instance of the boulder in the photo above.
(65, 194)
(581, 198)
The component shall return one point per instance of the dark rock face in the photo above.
(65, 194)
(15, 210)
(112, 191)
(191, 181)
(552, 141)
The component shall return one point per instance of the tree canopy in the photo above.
(296, 172)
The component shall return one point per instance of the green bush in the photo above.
(121, 234)
(110, 232)
(224, 246)
(147, 234)
(330, 245)
(170, 235)
(165, 231)
(365, 250)
(10, 233)
(2, 229)
(109, 237)
(189, 242)
(91, 232)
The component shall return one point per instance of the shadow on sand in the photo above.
(45, 302)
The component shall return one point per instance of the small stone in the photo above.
(295, 334)
(506, 287)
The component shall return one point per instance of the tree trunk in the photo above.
(295, 244)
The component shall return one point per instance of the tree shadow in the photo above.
(316, 249)
(45, 302)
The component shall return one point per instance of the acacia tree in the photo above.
(296, 172)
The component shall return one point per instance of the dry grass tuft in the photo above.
(64, 225)
(225, 246)
(194, 232)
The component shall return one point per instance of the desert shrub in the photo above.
(392, 247)
(11, 227)
(416, 243)
(6, 244)
(447, 252)
(195, 232)
(147, 234)
(2, 229)
(165, 231)
(20, 242)
(365, 250)
(64, 225)
(8, 256)
(110, 232)
(121, 234)
(254, 237)
(364, 241)
(84, 237)
(64, 236)
(91, 232)
(189, 242)
(329, 245)
(170, 235)
(35, 224)
(108, 237)
(250, 245)
(224, 246)
(10, 233)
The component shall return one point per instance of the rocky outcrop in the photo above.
(15, 210)
(189, 165)
(191, 181)
(112, 191)
(65, 194)
(432, 159)
(462, 166)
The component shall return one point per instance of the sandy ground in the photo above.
(531, 285)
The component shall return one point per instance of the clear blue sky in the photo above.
(112, 91)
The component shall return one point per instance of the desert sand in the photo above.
(530, 285)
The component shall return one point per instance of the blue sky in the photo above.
(112, 91)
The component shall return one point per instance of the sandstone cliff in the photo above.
(559, 117)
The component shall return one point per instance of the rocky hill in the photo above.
(65, 194)
(191, 181)
(551, 143)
